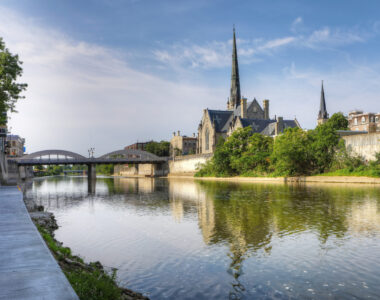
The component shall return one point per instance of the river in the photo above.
(188, 239)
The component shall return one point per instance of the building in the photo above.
(182, 144)
(239, 114)
(137, 146)
(14, 146)
(323, 116)
(361, 121)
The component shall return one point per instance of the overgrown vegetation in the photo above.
(158, 148)
(89, 281)
(296, 152)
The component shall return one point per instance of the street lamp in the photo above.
(91, 152)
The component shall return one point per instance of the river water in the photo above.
(186, 239)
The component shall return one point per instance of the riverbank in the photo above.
(89, 280)
(301, 179)
(27, 268)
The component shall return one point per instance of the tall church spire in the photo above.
(235, 95)
(322, 115)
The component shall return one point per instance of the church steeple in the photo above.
(235, 95)
(323, 116)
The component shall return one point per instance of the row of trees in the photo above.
(296, 152)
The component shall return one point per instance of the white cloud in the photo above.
(218, 54)
(278, 43)
(82, 95)
(325, 38)
(296, 24)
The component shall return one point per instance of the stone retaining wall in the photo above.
(187, 164)
(365, 145)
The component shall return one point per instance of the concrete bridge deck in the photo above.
(27, 268)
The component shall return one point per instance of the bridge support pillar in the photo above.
(91, 178)
(22, 172)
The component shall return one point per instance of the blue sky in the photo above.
(105, 74)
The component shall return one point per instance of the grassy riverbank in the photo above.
(89, 281)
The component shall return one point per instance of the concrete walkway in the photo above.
(27, 268)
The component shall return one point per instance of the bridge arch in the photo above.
(40, 154)
(130, 153)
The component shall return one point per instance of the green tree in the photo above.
(10, 90)
(338, 121)
(324, 144)
(257, 149)
(292, 154)
(158, 148)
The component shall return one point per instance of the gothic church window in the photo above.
(206, 139)
(363, 119)
(356, 121)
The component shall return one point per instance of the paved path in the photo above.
(27, 268)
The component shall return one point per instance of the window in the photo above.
(207, 139)
(377, 119)
(363, 119)
(356, 121)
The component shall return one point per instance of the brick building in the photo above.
(137, 146)
(363, 121)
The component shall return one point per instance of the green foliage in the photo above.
(292, 154)
(239, 154)
(54, 170)
(105, 169)
(10, 90)
(88, 281)
(95, 285)
(324, 140)
(158, 148)
(338, 121)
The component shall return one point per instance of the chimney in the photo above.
(194, 135)
(174, 133)
(266, 109)
(243, 107)
(179, 133)
(279, 126)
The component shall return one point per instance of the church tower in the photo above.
(235, 96)
(323, 116)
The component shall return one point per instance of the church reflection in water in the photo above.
(248, 217)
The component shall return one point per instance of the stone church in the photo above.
(239, 114)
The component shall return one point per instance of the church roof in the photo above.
(256, 124)
(220, 119)
(266, 127)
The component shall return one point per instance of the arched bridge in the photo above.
(62, 157)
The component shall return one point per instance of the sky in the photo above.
(106, 74)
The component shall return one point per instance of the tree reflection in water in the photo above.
(243, 220)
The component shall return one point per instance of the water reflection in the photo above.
(271, 240)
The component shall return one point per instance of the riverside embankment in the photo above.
(27, 268)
